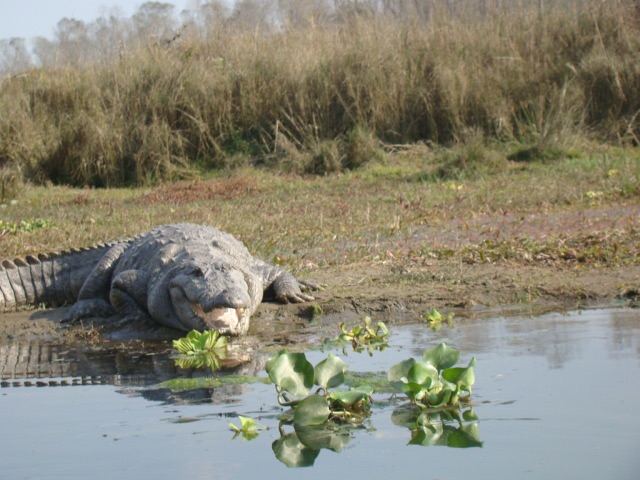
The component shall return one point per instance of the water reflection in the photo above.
(538, 368)
(557, 337)
(449, 428)
(137, 368)
(301, 447)
(453, 428)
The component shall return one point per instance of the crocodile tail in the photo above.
(51, 279)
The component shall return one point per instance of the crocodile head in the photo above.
(214, 296)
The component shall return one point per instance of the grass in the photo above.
(331, 98)
(393, 209)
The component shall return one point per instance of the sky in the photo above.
(37, 18)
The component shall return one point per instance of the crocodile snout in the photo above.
(234, 299)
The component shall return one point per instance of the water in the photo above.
(556, 397)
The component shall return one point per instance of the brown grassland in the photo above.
(383, 240)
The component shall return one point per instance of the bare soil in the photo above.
(400, 288)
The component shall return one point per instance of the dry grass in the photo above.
(323, 99)
(572, 210)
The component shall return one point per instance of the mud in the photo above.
(391, 290)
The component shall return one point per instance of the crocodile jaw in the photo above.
(190, 315)
(230, 321)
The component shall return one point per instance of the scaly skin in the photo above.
(184, 276)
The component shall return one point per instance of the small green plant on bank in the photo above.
(435, 320)
(434, 382)
(365, 334)
(199, 349)
(248, 428)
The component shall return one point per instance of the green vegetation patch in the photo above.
(23, 226)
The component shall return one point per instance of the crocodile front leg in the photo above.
(288, 290)
(285, 287)
(129, 295)
(93, 296)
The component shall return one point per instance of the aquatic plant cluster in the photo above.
(323, 415)
(200, 349)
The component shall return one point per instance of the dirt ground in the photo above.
(403, 288)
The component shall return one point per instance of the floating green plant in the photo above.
(436, 320)
(434, 382)
(248, 428)
(363, 337)
(294, 377)
(197, 342)
(200, 349)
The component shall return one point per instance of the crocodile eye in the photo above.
(197, 272)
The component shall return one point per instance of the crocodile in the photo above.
(184, 276)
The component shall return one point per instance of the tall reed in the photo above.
(162, 112)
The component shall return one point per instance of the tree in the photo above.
(14, 56)
(72, 42)
(257, 15)
(204, 18)
(110, 34)
(154, 21)
(303, 13)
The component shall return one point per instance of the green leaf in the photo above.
(464, 437)
(213, 340)
(422, 374)
(426, 436)
(318, 437)
(247, 423)
(464, 378)
(366, 389)
(382, 330)
(193, 336)
(469, 415)
(434, 316)
(197, 342)
(329, 373)
(312, 410)
(442, 398)
(406, 415)
(441, 357)
(290, 451)
(399, 371)
(291, 371)
(183, 345)
(356, 331)
(414, 391)
(248, 427)
(348, 398)
(364, 334)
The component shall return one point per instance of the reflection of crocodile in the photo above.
(184, 276)
(136, 371)
(36, 362)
